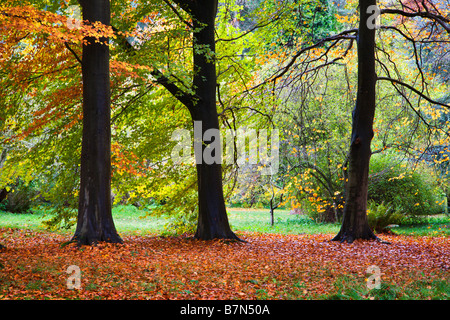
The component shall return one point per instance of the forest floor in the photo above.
(268, 266)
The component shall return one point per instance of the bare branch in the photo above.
(336, 38)
(257, 26)
(73, 52)
(443, 21)
(171, 6)
(414, 90)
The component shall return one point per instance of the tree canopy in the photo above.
(338, 88)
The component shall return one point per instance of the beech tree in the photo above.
(212, 215)
(95, 222)
(199, 97)
(354, 223)
(431, 27)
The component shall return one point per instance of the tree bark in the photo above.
(95, 222)
(354, 223)
(212, 218)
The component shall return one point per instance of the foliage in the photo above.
(381, 216)
(181, 224)
(413, 192)
(20, 197)
(314, 158)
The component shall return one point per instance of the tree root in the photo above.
(229, 237)
(349, 238)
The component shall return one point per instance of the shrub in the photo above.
(380, 216)
(413, 192)
(182, 221)
(20, 197)
(326, 215)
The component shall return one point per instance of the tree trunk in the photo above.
(212, 218)
(95, 222)
(354, 223)
(272, 220)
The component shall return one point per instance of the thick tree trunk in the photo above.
(212, 219)
(354, 223)
(95, 222)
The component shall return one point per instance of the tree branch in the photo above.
(184, 97)
(171, 6)
(73, 52)
(443, 21)
(186, 5)
(343, 35)
(414, 90)
(257, 26)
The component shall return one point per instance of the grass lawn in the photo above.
(130, 220)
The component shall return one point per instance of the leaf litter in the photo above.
(268, 266)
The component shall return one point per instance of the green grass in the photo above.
(350, 288)
(131, 220)
(24, 220)
(430, 226)
(285, 223)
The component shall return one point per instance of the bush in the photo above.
(20, 197)
(413, 192)
(181, 224)
(380, 216)
(327, 215)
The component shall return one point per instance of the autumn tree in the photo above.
(199, 97)
(300, 66)
(354, 223)
(212, 214)
(95, 222)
